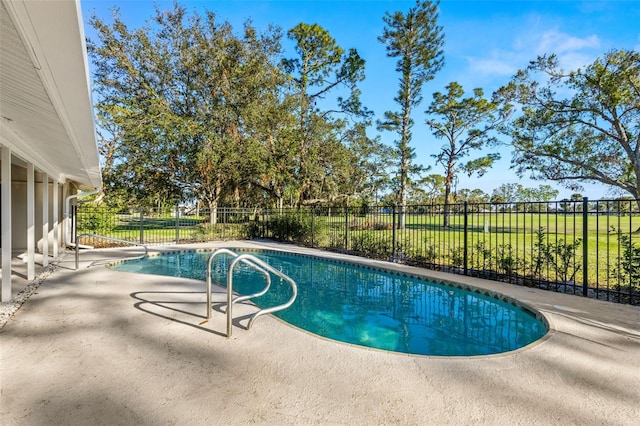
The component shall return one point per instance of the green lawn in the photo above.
(504, 242)
(546, 246)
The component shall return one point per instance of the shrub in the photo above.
(541, 254)
(382, 226)
(483, 256)
(96, 221)
(218, 231)
(374, 245)
(424, 254)
(629, 261)
(365, 226)
(562, 256)
(291, 227)
(507, 261)
(456, 256)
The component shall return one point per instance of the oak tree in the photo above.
(578, 126)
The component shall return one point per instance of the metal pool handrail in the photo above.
(257, 264)
(245, 261)
(146, 249)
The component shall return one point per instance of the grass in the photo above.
(501, 243)
(493, 238)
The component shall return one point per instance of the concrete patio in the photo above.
(97, 346)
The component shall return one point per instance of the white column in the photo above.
(45, 220)
(31, 223)
(5, 160)
(55, 220)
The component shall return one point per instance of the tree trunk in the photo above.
(213, 212)
(447, 193)
(236, 195)
(404, 178)
(280, 203)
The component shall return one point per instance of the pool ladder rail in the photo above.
(259, 266)
(117, 240)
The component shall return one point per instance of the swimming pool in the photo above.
(369, 307)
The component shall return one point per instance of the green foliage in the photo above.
(456, 257)
(541, 252)
(191, 109)
(629, 262)
(483, 256)
(425, 252)
(226, 231)
(322, 164)
(580, 125)
(96, 221)
(372, 245)
(292, 227)
(562, 256)
(416, 40)
(506, 259)
(378, 226)
(466, 125)
(429, 255)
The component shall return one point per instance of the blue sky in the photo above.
(486, 42)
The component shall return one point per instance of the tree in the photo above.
(432, 185)
(577, 199)
(128, 102)
(506, 193)
(536, 199)
(466, 125)
(545, 193)
(578, 126)
(189, 109)
(185, 96)
(321, 67)
(364, 171)
(417, 41)
(473, 196)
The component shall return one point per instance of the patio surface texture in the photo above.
(97, 346)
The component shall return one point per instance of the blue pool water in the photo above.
(368, 307)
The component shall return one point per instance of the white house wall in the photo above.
(46, 122)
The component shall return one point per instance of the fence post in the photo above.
(312, 228)
(177, 224)
(346, 228)
(74, 222)
(585, 249)
(265, 222)
(393, 233)
(466, 239)
(141, 225)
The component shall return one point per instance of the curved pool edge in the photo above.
(433, 276)
(472, 284)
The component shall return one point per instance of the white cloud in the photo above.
(556, 42)
(530, 41)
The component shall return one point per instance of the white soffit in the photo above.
(45, 102)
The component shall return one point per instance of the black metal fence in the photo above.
(589, 248)
(161, 226)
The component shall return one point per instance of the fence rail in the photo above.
(588, 248)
